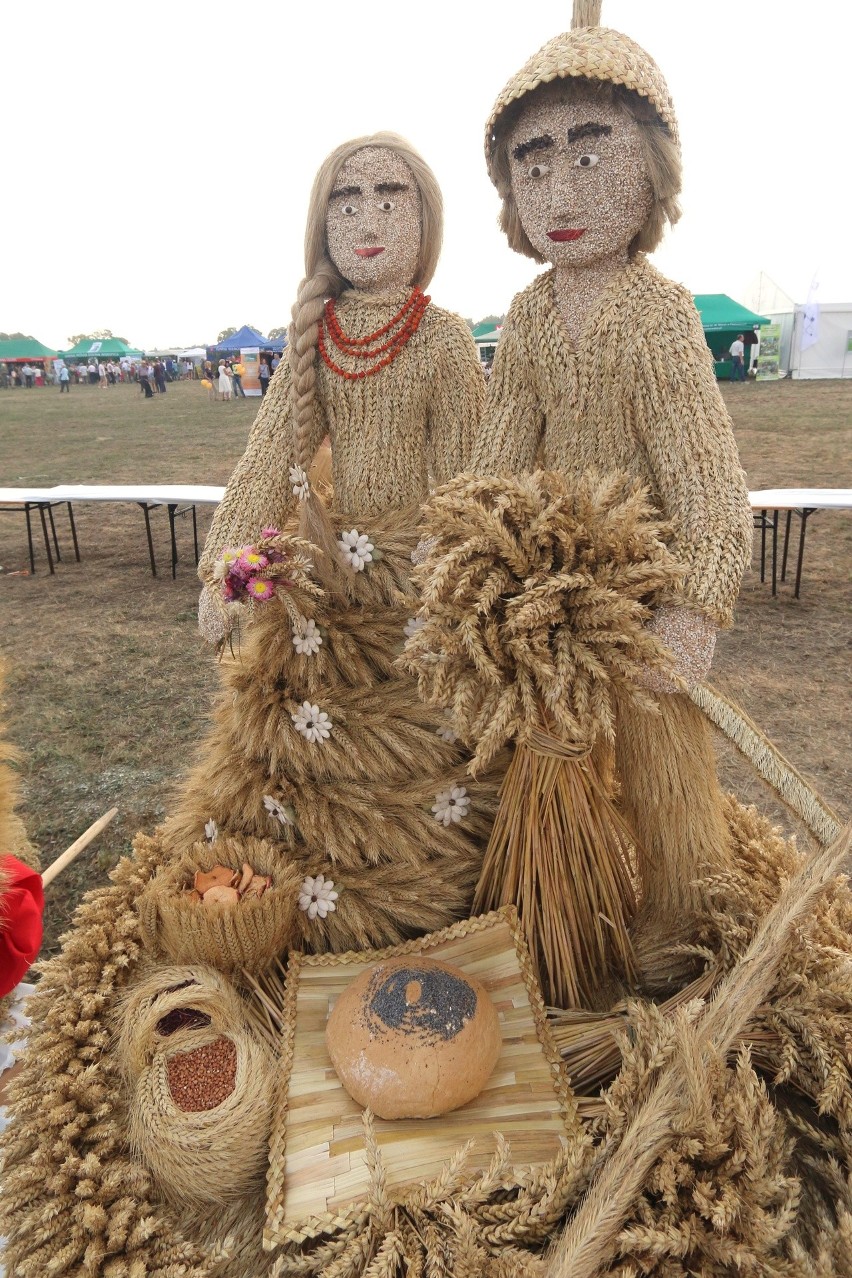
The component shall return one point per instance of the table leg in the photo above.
(786, 545)
(195, 535)
(172, 509)
(53, 530)
(46, 538)
(32, 554)
(147, 509)
(73, 531)
(803, 515)
(762, 546)
(774, 553)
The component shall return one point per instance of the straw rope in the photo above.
(768, 762)
(589, 1240)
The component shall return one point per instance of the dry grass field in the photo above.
(110, 684)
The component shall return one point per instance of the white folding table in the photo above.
(178, 499)
(803, 502)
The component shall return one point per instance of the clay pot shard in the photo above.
(257, 886)
(219, 876)
(220, 894)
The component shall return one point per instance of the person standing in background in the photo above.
(64, 380)
(146, 372)
(263, 374)
(737, 349)
(160, 377)
(224, 384)
(237, 378)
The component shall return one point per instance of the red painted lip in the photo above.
(370, 252)
(562, 235)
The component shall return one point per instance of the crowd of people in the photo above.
(156, 373)
(152, 376)
(226, 378)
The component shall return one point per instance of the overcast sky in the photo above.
(157, 159)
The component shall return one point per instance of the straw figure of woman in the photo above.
(319, 744)
(323, 772)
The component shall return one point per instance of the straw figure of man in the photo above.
(602, 365)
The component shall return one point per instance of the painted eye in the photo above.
(586, 162)
(538, 170)
(348, 209)
(386, 206)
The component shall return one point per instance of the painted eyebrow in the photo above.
(340, 192)
(388, 188)
(534, 144)
(589, 130)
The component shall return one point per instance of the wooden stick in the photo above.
(77, 846)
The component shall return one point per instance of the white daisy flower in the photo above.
(299, 480)
(451, 805)
(282, 812)
(313, 723)
(357, 549)
(211, 831)
(413, 625)
(306, 636)
(317, 897)
(446, 731)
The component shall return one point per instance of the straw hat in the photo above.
(592, 52)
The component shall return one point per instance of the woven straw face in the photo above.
(594, 53)
(374, 221)
(578, 176)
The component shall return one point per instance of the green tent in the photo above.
(480, 330)
(108, 348)
(722, 320)
(22, 349)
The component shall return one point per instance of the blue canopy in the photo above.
(248, 337)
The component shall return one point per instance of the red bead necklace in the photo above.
(408, 317)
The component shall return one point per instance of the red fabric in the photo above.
(21, 907)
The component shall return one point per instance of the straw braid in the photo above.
(304, 333)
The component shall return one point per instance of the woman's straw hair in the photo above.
(322, 279)
(660, 151)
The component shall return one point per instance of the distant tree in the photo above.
(16, 337)
(225, 334)
(469, 322)
(99, 335)
(491, 319)
(275, 333)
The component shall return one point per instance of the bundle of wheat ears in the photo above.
(535, 597)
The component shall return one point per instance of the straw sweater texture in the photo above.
(392, 435)
(636, 394)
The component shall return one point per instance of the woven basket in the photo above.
(210, 1155)
(232, 938)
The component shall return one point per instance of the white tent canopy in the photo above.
(194, 352)
(830, 355)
